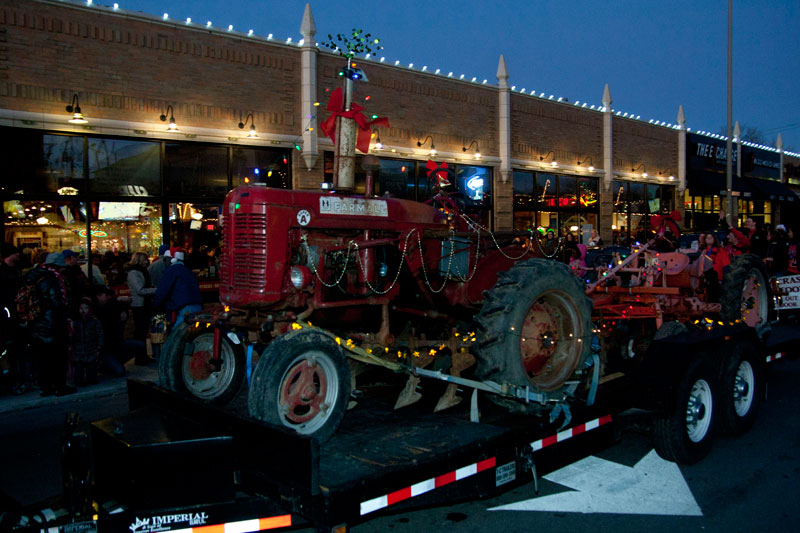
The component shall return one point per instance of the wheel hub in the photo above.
(741, 388)
(303, 391)
(548, 339)
(199, 368)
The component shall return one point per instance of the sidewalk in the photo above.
(108, 386)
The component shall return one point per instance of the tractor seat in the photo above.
(673, 263)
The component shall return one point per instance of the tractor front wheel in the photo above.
(302, 382)
(187, 365)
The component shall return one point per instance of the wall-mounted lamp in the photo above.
(666, 174)
(588, 159)
(253, 133)
(644, 171)
(553, 163)
(75, 109)
(171, 126)
(433, 146)
(378, 143)
(477, 150)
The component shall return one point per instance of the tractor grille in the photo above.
(244, 263)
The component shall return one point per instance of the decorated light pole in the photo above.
(347, 127)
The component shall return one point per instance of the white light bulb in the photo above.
(208, 24)
(461, 77)
(188, 20)
(484, 81)
(397, 62)
(449, 74)
(474, 79)
(411, 65)
(269, 37)
(368, 56)
(382, 59)
(424, 67)
(437, 71)
(250, 32)
(116, 6)
(230, 27)
(166, 16)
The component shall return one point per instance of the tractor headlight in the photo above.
(300, 276)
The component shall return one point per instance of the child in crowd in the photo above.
(87, 339)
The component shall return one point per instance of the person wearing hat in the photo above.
(178, 290)
(46, 330)
(77, 283)
(156, 269)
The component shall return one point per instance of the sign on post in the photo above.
(788, 292)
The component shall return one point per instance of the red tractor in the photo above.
(398, 283)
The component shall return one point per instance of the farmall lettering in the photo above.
(335, 205)
(155, 524)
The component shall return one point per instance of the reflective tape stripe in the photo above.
(569, 433)
(243, 526)
(775, 357)
(426, 486)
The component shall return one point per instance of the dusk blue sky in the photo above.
(654, 55)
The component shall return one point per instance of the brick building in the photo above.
(124, 180)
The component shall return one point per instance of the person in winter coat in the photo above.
(156, 269)
(45, 324)
(87, 339)
(77, 283)
(713, 264)
(141, 289)
(179, 291)
(578, 262)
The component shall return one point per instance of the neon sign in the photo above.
(95, 233)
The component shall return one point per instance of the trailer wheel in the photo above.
(745, 292)
(535, 329)
(186, 365)
(741, 386)
(685, 434)
(301, 381)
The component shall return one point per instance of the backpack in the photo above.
(28, 300)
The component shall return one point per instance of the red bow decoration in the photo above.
(439, 173)
(364, 127)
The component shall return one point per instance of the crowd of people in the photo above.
(59, 330)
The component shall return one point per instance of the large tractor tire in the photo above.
(741, 387)
(302, 382)
(745, 295)
(685, 432)
(187, 365)
(535, 329)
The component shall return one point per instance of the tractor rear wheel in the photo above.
(744, 292)
(535, 329)
(302, 382)
(187, 365)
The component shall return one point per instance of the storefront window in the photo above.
(124, 167)
(38, 227)
(253, 165)
(524, 202)
(37, 163)
(195, 169)
(396, 179)
(119, 229)
(567, 192)
(196, 228)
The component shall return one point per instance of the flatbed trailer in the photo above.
(174, 463)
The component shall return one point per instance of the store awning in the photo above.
(704, 183)
(773, 190)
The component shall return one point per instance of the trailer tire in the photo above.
(184, 365)
(685, 433)
(533, 303)
(745, 294)
(297, 376)
(741, 386)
